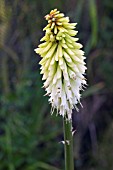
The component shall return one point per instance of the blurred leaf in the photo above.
(93, 90)
(94, 26)
(43, 166)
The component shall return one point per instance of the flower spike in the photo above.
(62, 63)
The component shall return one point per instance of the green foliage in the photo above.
(26, 137)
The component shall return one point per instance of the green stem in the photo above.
(68, 139)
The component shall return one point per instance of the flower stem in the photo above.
(68, 139)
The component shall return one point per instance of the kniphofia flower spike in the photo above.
(62, 63)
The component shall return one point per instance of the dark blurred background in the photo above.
(29, 136)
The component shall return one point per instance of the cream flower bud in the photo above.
(62, 64)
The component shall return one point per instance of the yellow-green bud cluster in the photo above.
(62, 63)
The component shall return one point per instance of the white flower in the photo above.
(62, 64)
